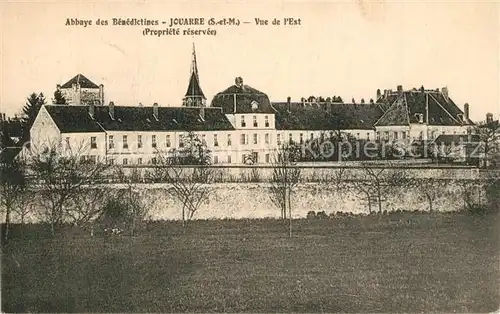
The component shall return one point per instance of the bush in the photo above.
(311, 215)
(321, 215)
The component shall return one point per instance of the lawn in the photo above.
(444, 262)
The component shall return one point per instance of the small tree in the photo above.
(13, 187)
(489, 136)
(429, 189)
(62, 176)
(285, 177)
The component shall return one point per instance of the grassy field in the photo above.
(403, 263)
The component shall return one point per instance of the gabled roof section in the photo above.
(82, 80)
(326, 116)
(435, 107)
(73, 119)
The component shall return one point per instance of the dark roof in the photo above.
(82, 80)
(194, 89)
(8, 154)
(404, 108)
(241, 99)
(325, 116)
(70, 119)
(448, 139)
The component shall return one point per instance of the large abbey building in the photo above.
(240, 125)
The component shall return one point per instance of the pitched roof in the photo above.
(194, 89)
(405, 107)
(82, 80)
(325, 116)
(71, 119)
(242, 99)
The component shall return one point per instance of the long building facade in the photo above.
(241, 125)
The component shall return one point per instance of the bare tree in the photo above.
(285, 177)
(63, 174)
(13, 187)
(83, 208)
(489, 135)
(378, 182)
(189, 173)
(429, 189)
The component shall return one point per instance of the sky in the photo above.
(347, 48)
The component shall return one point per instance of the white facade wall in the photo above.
(44, 131)
(417, 131)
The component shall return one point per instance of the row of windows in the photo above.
(404, 135)
(255, 122)
(140, 161)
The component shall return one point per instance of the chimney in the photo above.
(155, 111)
(444, 90)
(400, 89)
(422, 89)
(112, 110)
(362, 100)
(378, 93)
(4, 117)
(58, 86)
(101, 94)
(489, 117)
(91, 109)
(386, 93)
(466, 111)
(371, 100)
(353, 100)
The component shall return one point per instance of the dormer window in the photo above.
(255, 105)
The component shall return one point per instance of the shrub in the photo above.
(321, 215)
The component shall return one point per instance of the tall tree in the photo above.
(59, 98)
(30, 111)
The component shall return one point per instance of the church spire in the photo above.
(194, 95)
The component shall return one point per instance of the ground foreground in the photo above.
(449, 262)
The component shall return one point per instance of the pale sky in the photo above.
(347, 48)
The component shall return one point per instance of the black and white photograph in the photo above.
(250, 156)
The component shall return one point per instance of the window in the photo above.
(111, 161)
(125, 142)
(111, 142)
(421, 135)
(93, 143)
(216, 159)
(139, 161)
(139, 141)
(229, 140)
(267, 158)
(93, 159)
(290, 138)
(167, 141)
(312, 136)
(255, 124)
(153, 160)
(368, 136)
(266, 121)
(203, 140)
(228, 159)
(395, 135)
(242, 139)
(266, 138)
(216, 142)
(153, 141)
(255, 139)
(386, 135)
(278, 139)
(301, 136)
(67, 143)
(357, 136)
(378, 136)
(181, 141)
(454, 132)
(243, 123)
(403, 135)
(125, 161)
